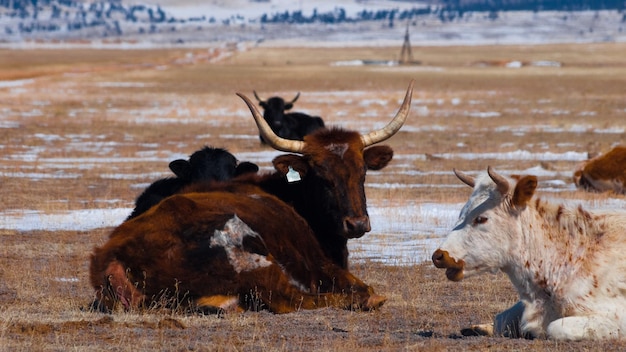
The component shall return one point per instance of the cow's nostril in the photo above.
(438, 258)
(356, 226)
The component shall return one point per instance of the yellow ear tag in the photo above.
(293, 175)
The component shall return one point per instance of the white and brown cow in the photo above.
(567, 263)
(606, 172)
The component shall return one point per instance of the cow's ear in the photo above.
(282, 163)
(288, 106)
(263, 104)
(181, 168)
(524, 191)
(246, 167)
(377, 157)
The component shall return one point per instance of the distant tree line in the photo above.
(338, 15)
(110, 15)
(452, 9)
(70, 15)
(446, 10)
(531, 5)
(20, 4)
(97, 9)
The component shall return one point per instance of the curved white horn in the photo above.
(394, 125)
(278, 143)
(501, 182)
(465, 178)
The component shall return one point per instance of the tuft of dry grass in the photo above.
(87, 128)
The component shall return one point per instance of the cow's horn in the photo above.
(465, 178)
(257, 97)
(395, 124)
(501, 182)
(278, 143)
(296, 98)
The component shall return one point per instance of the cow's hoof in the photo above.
(375, 301)
(218, 304)
(478, 330)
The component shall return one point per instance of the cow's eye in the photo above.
(480, 220)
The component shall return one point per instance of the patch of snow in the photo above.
(15, 83)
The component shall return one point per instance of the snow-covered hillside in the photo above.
(285, 22)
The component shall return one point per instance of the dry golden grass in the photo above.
(71, 112)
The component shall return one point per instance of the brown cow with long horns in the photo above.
(274, 241)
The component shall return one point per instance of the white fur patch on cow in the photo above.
(293, 281)
(338, 149)
(231, 239)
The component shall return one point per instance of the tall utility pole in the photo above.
(406, 56)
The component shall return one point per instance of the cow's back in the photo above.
(171, 246)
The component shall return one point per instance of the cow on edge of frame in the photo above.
(289, 125)
(605, 172)
(253, 242)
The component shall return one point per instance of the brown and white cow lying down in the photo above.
(567, 263)
(256, 241)
(606, 172)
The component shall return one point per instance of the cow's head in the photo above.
(210, 164)
(274, 110)
(487, 229)
(331, 165)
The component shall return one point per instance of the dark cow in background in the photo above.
(206, 164)
(603, 173)
(294, 125)
(254, 242)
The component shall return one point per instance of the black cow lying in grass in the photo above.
(289, 125)
(206, 164)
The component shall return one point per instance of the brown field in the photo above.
(70, 109)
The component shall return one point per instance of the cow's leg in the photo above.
(506, 323)
(263, 280)
(117, 288)
(274, 289)
(219, 303)
(344, 282)
(478, 330)
(266, 287)
(592, 327)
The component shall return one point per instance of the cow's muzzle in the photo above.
(355, 227)
(442, 260)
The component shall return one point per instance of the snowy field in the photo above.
(402, 234)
